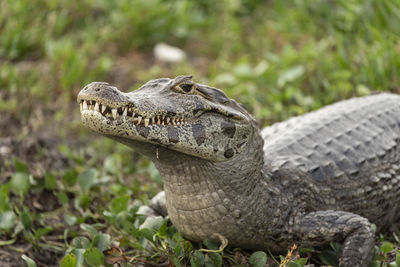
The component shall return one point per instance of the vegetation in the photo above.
(72, 198)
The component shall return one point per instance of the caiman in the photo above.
(320, 177)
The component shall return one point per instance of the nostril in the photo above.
(85, 88)
(97, 89)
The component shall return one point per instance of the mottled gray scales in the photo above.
(321, 177)
(173, 135)
(199, 133)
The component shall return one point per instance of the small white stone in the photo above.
(169, 54)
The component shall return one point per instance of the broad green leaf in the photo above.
(7, 220)
(78, 252)
(386, 247)
(70, 219)
(43, 231)
(90, 229)
(211, 244)
(50, 181)
(93, 256)
(82, 202)
(62, 198)
(398, 258)
(28, 261)
(101, 241)
(162, 231)
(153, 223)
(4, 197)
(26, 219)
(119, 204)
(70, 177)
(20, 166)
(375, 263)
(87, 178)
(293, 264)
(81, 242)
(302, 261)
(19, 183)
(197, 259)
(147, 233)
(258, 259)
(214, 260)
(174, 260)
(68, 261)
(328, 257)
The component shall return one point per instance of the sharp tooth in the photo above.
(152, 120)
(168, 120)
(114, 113)
(133, 114)
(125, 111)
(103, 108)
(85, 106)
(139, 119)
(96, 107)
(146, 122)
(81, 106)
(158, 119)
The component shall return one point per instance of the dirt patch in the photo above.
(39, 153)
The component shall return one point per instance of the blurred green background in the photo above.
(278, 58)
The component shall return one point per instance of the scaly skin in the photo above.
(317, 178)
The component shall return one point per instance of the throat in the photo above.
(203, 196)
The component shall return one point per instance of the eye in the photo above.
(187, 87)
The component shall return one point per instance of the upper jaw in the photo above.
(130, 113)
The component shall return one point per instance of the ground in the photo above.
(68, 194)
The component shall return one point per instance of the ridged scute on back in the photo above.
(338, 141)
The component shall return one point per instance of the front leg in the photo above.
(320, 227)
(158, 204)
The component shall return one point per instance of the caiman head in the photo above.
(176, 114)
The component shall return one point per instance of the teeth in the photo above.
(158, 119)
(114, 113)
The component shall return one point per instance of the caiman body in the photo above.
(320, 177)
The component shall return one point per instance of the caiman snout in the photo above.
(102, 92)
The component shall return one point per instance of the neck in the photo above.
(203, 192)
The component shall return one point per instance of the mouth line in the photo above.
(130, 114)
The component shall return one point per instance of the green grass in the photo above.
(278, 58)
